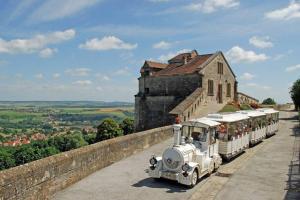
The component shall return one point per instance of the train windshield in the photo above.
(197, 133)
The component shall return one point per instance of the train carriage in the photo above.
(232, 133)
(256, 125)
(272, 120)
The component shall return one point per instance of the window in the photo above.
(220, 68)
(228, 90)
(210, 87)
(147, 90)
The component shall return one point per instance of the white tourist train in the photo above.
(200, 144)
(256, 125)
(193, 154)
(232, 133)
(272, 120)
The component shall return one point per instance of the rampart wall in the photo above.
(42, 178)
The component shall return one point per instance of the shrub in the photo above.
(269, 101)
(108, 129)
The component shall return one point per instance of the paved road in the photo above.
(260, 173)
(266, 175)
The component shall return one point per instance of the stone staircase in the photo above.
(204, 110)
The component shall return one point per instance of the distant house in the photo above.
(183, 87)
(38, 136)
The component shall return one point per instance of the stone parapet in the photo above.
(42, 178)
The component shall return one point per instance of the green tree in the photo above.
(295, 94)
(6, 160)
(109, 128)
(67, 142)
(90, 138)
(74, 141)
(49, 151)
(127, 126)
(269, 101)
(27, 153)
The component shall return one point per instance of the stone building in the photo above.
(246, 99)
(183, 87)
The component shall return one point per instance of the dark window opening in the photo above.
(220, 68)
(147, 90)
(210, 87)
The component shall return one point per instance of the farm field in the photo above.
(51, 118)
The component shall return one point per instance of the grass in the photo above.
(245, 107)
(229, 108)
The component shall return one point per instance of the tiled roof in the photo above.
(188, 68)
(156, 64)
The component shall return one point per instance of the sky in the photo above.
(93, 49)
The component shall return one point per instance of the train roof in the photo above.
(201, 122)
(267, 110)
(227, 117)
(252, 113)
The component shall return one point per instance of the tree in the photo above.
(6, 160)
(109, 128)
(295, 94)
(269, 101)
(90, 138)
(67, 142)
(27, 153)
(49, 151)
(127, 126)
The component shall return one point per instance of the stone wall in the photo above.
(211, 73)
(246, 99)
(42, 178)
(152, 107)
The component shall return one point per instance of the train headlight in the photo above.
(185, 167)
(153, 161)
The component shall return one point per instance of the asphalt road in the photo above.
(260, 173)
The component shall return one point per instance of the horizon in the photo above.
(89, 50)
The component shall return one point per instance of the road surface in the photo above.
(260, 173)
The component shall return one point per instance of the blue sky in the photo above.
(93, 49)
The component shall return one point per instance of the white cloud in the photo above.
(99, 88)
(292, 11)
(162, 45)
(82, 82)
(261, 42)
(237, 54)
(57, 9)
(35, 43)
(102, 77)
(258, 86)
(21, 8)
(78, 71)
(107, 43)
(166, 57)
(39, 76)
(56, 75)
(293, 68)
(124, 71)
(209, 6)
(247, 76)
(47, 53)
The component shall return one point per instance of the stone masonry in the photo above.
(181, 88)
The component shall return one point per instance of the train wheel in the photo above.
(194, 178)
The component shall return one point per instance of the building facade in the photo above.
(183, 87)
